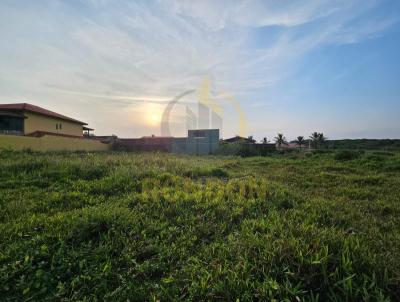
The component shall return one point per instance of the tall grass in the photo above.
(118, 226)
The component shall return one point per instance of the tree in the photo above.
(251, 139)
(314, 138)
(321, 139)
(300, 141)
(280, 140)
(265, 140)
(318, 139)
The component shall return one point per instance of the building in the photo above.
(27, 119)
(238, 139)
(198, 142)
(202, 142)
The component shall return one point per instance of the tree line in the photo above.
(316, 140)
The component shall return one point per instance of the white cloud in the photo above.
(121, 52)
(219, 14)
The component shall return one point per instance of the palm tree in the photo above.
(251, 139)
(280, 140)
(314, 138)
(264, 140)
(318, 139)
(321, 139)
(300, 141)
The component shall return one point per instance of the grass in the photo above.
(118, 226)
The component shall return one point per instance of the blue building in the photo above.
(198, 142)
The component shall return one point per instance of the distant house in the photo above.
(202, 141)
(238, 139)
(291, 145)
(198, 142)
(27, 119)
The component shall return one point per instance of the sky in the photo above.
(294, 67)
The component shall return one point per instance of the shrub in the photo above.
(347, 155)
(383, 153)
(247, 150)
(228, 149)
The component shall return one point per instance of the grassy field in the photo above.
(116, 226)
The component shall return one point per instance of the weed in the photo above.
(347, 155)
(119, 226)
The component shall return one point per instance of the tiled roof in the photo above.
(39, 110)
(237, 139)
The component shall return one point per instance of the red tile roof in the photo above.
(39, 110)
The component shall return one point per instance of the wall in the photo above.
(179, 145)
(198, 142)
(206, 143)
(37, 122)
(51, 143)
(144, 144)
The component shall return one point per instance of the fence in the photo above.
(51, 143)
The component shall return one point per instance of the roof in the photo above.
(237, 138)
(12, 114)
(38, 110)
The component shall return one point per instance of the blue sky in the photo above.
(295, 66)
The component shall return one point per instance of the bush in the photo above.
(247, 150)
(228, 149)
(347, 155)
(204, 172)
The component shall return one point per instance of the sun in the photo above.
(151, 115)
(154, 118)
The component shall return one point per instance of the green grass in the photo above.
(116, 226)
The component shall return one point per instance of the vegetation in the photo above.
(365, 144)
(318, 139)
(303, 226)
(251, 139)
(280, 140)
(246, 149)
(300, 141)
(347, 155)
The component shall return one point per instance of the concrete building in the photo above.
(202, 142)
(27, 119)
(238, 139)
(198, 142)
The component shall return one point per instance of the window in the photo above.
(10, 123)
(60, 126)
(199, 134)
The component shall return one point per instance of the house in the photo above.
(238, 139)
(202, 141)
(198, 142)
(27, 119)
(291, 145)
